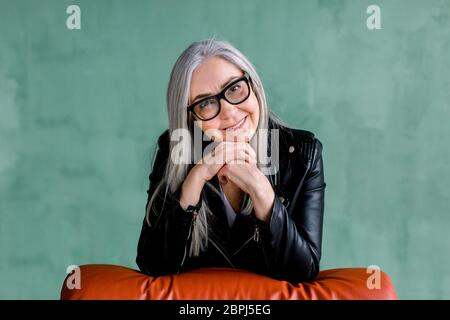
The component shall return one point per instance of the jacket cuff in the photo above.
(277, 216)
(178, 213)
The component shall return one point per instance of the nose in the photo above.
(226, 110)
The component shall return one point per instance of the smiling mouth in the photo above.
(237, 125)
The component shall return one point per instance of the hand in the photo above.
(223, 153)
(251, 180)
(208, 167)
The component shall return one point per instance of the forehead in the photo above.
(211, 74)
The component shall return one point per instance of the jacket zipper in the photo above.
(257, 238)
(256, 234)
(194, 218)
(224, 255)
(254, 237)
(245, 243)
(265, 256)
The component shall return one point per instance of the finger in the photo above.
(235, 151)
(248, 150)
(216, 156)
(243, 157)
(227, 151)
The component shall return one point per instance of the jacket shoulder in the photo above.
(164, 139)
(303, 135)
(160, 152)
(305, 142)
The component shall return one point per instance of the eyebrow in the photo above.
(210, 94)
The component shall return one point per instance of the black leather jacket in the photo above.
(288, 247)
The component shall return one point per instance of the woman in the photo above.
(227, 209)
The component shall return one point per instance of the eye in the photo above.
(205, 103)
(235, 87)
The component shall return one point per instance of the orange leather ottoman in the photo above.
(115, 282)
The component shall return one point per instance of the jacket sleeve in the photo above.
(295, 238)
(164, 243)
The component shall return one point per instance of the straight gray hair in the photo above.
(177, 100)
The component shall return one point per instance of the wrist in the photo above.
(197, 173)
(263, 199)
(261, 188)
(191, 189)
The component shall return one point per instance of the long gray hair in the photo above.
(177, 100)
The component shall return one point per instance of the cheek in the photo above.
(253, 109)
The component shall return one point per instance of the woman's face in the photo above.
(209, 78)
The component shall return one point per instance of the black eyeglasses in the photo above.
(234, 93)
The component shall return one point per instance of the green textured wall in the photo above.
(80, 111)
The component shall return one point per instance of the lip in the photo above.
(237, 125)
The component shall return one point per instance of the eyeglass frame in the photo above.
(220, 95)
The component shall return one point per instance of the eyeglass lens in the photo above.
(235, 94)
